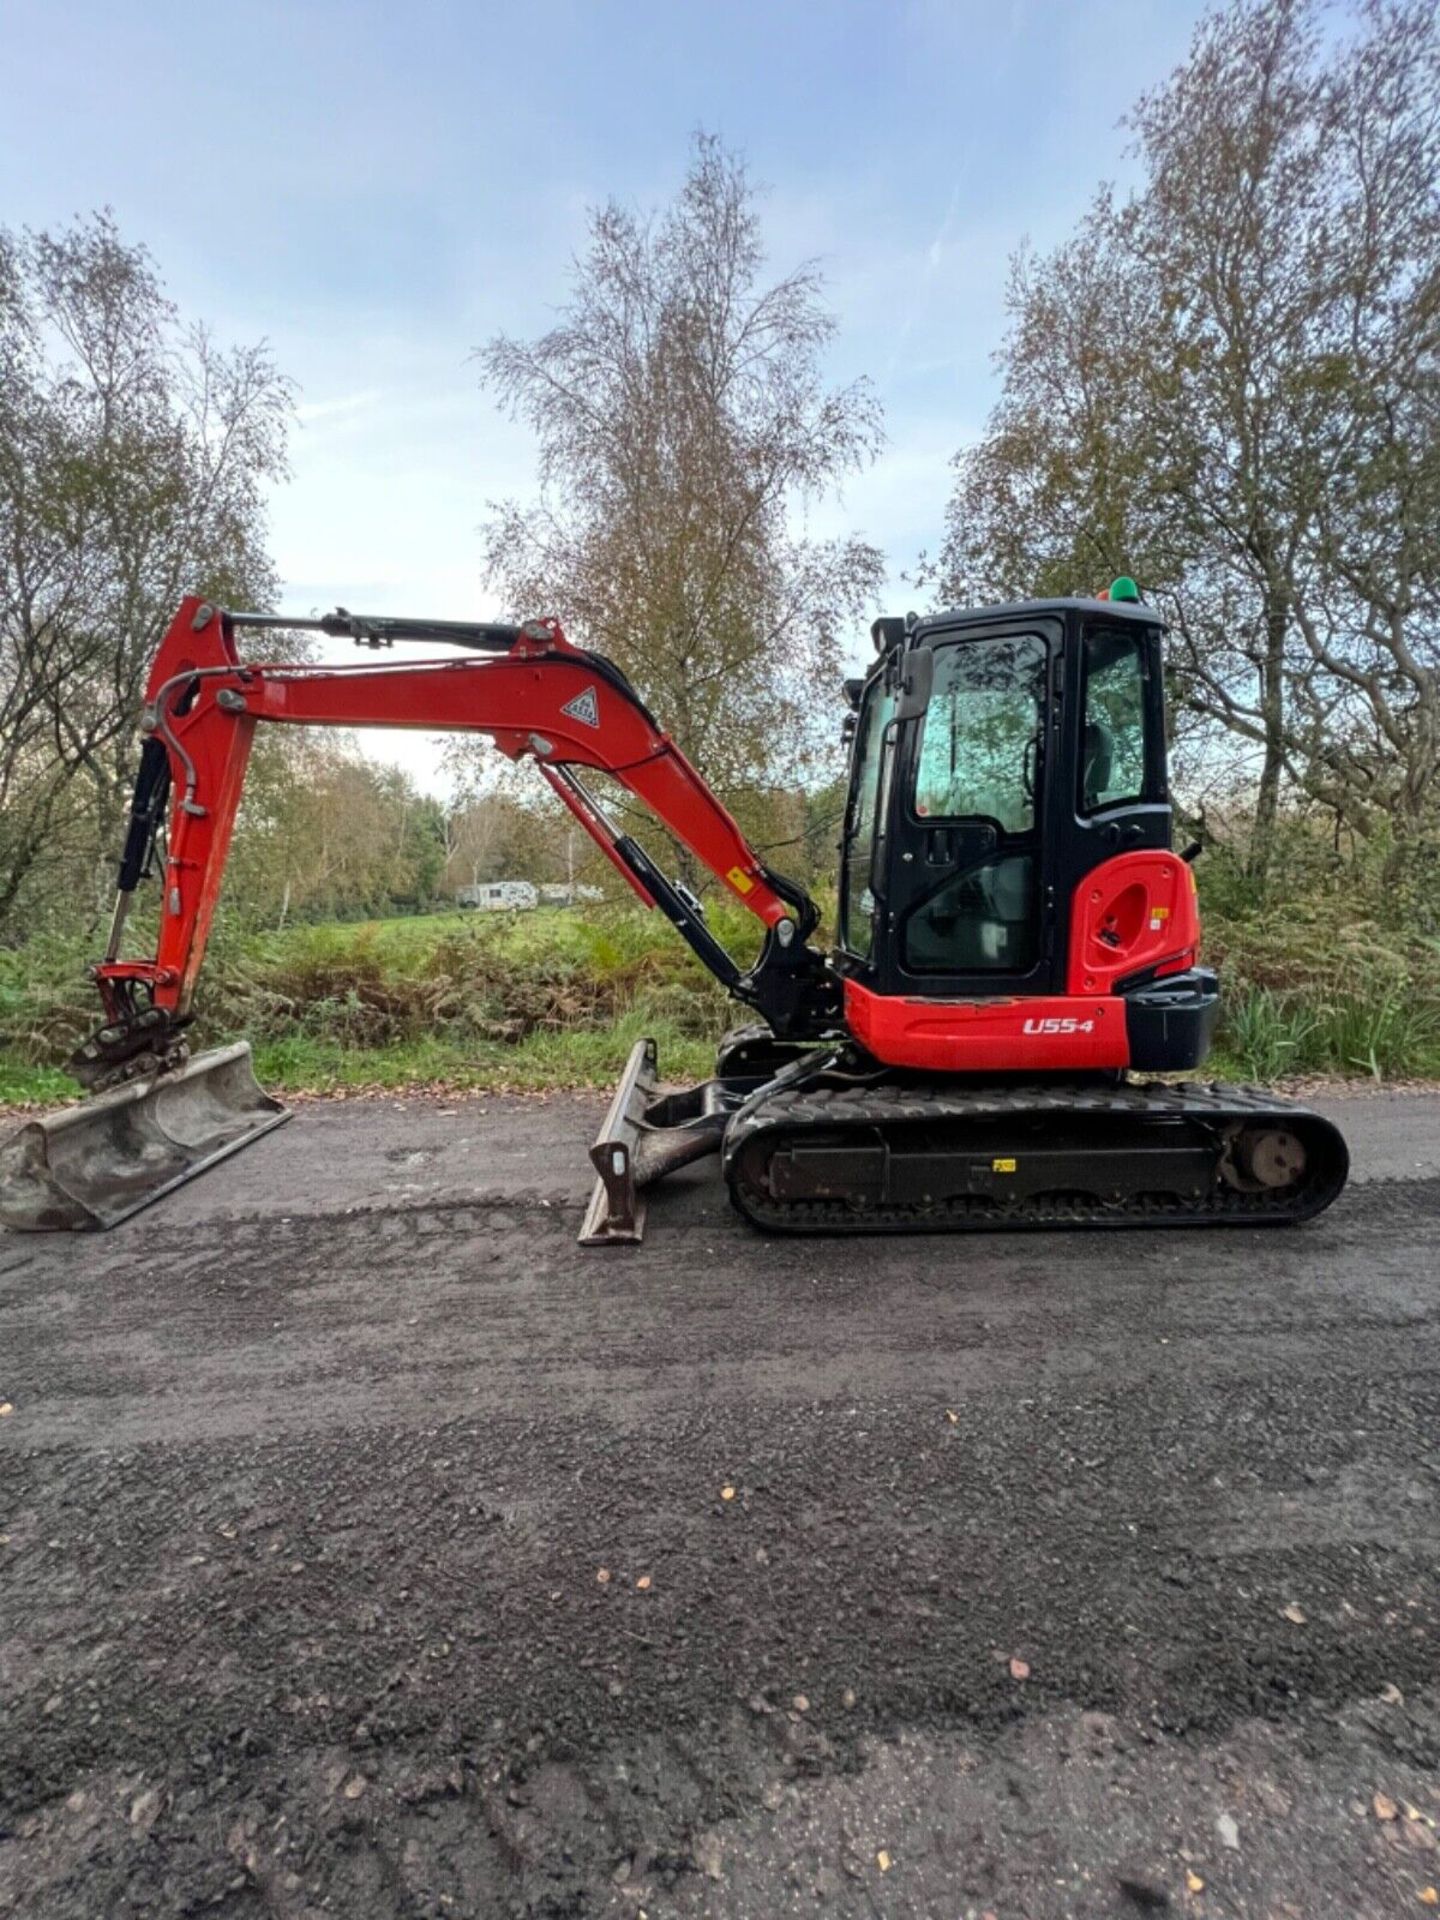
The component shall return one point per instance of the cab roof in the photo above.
(1135, 610)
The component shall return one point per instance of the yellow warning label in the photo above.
(1002, 1166)
(1160, 913)
(740, 880)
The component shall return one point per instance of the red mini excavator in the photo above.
(1016, 938)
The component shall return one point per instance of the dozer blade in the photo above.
(645, 1137)
(97, 1163)
(616, 1213)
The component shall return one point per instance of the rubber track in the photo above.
(769, 1122)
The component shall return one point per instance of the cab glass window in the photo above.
(857, 904)
(1112, 750)
(980, 748)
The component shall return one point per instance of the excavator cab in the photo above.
(1036, 752)
(1009, 825)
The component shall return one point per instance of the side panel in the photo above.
(1133, 914)
(1043, 1033)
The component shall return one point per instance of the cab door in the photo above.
(863, 842)
(1119, 800)
(968, 911)
(1115, 799)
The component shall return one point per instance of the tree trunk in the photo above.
(1272, 710)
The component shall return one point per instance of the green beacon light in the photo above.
(1124, 588)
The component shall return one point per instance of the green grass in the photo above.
(542, 1062)
(22, 1085)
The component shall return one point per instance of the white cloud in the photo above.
(309, 411)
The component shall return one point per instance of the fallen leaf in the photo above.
(1193, 1881)
(602, 1574)
(1385, 1807)
(643, 1583)
(5, 1409)
(800, 1703)
(1429, 1897)
(145, 1809)
(952, 1416)
(1391, 1694)
(883, 1861)
(1019, 1669)
(354, 1787)
(727, 1493)
(1292, 1612)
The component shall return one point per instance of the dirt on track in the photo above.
(369, 1550)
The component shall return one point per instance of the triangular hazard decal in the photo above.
(584, 708)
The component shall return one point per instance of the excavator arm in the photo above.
(537, 696)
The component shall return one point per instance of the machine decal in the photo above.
(584, 707)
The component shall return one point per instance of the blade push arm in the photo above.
(535, 695)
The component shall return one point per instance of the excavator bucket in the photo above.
(97, 1163)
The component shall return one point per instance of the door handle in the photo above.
(1029, 765)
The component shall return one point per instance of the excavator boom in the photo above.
(533, 693)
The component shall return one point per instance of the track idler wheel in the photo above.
(1263, 1158)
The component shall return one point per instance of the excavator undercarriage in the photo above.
(827, 1147)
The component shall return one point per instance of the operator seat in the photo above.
(1097, 763)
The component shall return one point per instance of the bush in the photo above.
(1309, 991)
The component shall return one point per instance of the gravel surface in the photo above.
(367, 1549)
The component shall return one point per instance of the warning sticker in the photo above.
(1002, 1166)
(740, 880)
(584, 707)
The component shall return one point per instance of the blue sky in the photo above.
(376, 189)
